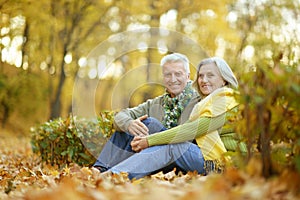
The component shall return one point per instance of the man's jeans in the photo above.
(186, 155)
(118, 146)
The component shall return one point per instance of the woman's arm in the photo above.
(187, 131)
(182, 133)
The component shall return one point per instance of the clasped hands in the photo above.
(139, 131)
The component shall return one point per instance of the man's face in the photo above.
(175, 77)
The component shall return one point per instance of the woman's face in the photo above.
(209, 79)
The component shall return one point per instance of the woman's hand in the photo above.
(139, 143)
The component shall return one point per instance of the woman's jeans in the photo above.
(118, 146)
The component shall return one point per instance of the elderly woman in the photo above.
(215, 83)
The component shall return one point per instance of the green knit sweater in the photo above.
(201, 126)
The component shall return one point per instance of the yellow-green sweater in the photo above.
(209, 124)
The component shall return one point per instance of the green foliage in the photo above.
(71, 140)
(106, 125)
(270, 122)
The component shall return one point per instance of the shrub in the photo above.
(270, 99)
(71, 140)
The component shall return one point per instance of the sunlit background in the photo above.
(46, 47)
(11, 49)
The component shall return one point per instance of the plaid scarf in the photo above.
(173, 107)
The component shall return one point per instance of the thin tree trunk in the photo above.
(5, 114)
(264, 119)
(56, 103)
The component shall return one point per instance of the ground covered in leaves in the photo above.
(22, 176)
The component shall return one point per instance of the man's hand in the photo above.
(137, 128)
(139, 143)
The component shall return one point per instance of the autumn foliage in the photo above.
(270, 112)
(23, 176)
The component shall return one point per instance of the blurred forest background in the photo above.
(44, 47)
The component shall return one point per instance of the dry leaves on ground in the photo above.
(23, 177)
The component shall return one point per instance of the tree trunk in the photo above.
(264, 119)
(5, 114)
(55, 109)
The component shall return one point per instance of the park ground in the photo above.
(23, 176)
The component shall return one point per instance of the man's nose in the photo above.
(173, 78)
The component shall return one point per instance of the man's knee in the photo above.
(153, 125)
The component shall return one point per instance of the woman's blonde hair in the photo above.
(224, 69)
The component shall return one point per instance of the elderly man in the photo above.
(171, 109)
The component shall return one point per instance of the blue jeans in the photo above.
(186, 155)
(118, 146)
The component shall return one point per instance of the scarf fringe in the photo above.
(213, 166)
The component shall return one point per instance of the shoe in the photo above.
(100, 168)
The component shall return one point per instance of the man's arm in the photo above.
(129, 119)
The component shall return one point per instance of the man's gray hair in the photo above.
(224, 69)
(175, 57)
